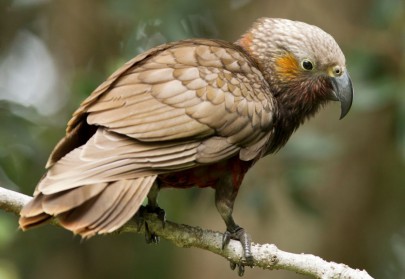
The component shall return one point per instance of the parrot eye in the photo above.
(307, 65)
(337, 71)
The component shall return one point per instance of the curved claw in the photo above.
(241, 268)
(232, 265)
(150, 237)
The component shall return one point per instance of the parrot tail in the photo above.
(90, 209)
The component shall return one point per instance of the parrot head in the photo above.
(303, 65)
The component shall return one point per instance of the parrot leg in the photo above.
(151, 207)
(225, 196)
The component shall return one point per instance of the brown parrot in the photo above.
(196, 112)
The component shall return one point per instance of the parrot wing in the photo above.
(193, 103)
(175, 107)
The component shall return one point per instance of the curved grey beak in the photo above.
(343, 92)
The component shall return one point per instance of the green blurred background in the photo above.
(336, 190)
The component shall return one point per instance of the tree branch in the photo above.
(266, 256)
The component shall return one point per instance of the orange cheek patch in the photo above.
(246, 41)
(287, 67)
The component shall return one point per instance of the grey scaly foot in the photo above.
(239, 233)
(150, 236)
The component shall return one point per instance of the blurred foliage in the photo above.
(336, 190)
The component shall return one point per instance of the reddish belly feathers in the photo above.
(206, 175)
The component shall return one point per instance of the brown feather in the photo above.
(87, 219)
(127, 207)
(26, 223)
(32, 213)
(164, 97)
(33, 207)
(64, 201)
(108, 157)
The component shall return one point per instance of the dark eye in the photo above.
(337, 70)
(307, 65)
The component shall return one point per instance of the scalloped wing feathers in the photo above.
(172, 108)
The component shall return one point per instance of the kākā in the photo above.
(196, 112)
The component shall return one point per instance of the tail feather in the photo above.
(89, 209)
(126, 208)
(34, 221)
(33, 207)
(114, 206)
(80, 217)
(32, 214)
(64, 201)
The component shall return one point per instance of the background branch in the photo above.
(266, 256)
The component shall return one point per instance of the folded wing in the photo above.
(176, 107)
